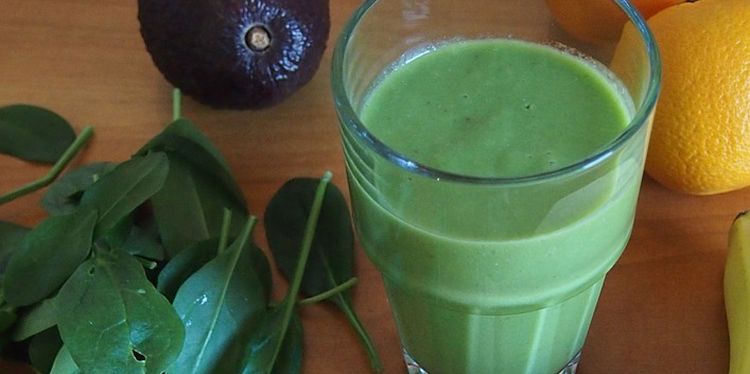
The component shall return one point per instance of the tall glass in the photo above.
(489, 274)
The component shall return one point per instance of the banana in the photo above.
(737, 294)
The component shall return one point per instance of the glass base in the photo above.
(414, 368)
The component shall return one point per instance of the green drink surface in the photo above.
(484, 277)
(495, 108)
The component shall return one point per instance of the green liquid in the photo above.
(488, 278)
(495, 109)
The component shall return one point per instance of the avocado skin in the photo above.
(199, 46)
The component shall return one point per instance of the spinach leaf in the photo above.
(78, 144)
(64, 363)
(137, 234)
(117, 234)
(113, 320)
(262, 269)
(263, 343)
(183, 265)
(215, 303)
(290, 356)
(183, 138)
(198, 188)
(178, 210)
(11, 237)
(187, 262)
(118, 193)
(65, 194)
(33, 133)
(332, 255)
(43, 348)
(190, 206)
(144, 242)
(38, 318)
(259, 356)
(265, 346)
(49, 254)
(7, 318)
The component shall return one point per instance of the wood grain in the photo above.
(661, 310)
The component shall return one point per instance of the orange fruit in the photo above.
(700, 139)
(599, 21)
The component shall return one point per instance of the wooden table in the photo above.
(661, 310)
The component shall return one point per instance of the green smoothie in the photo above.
(495, 109)
(500, 274)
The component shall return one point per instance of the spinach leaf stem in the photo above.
(312, 224)
(333, 291)
(55, 171)
(224, 237)
(176, 104)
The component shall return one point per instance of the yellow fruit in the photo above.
(599, 21)
(700, 141)
(737, 294)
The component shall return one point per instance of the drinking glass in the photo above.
(490, 274)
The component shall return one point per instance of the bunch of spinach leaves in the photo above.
(149, 265)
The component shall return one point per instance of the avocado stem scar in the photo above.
(258, 38)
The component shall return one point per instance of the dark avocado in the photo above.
(236, 54)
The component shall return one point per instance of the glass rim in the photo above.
(349, 118)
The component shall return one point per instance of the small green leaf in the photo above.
(137, 234)
(121, 191)
(38, 318)
(144, 242)
(7, 317)
(259, 359)
(64, 363)
(33, 133)
(266, 344)
(78, 144)
(112, 319)
(48, 256)
(187, 262)
(290, 357)
(178, 210)
(11, 237)
(182, 266)
(332, 255)
(183, 138)
(215, 304)
(262, 270)
(190, 260)
(65, 194)
(262, 344)
(43, 348)
(191, 206)
(117, 234)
